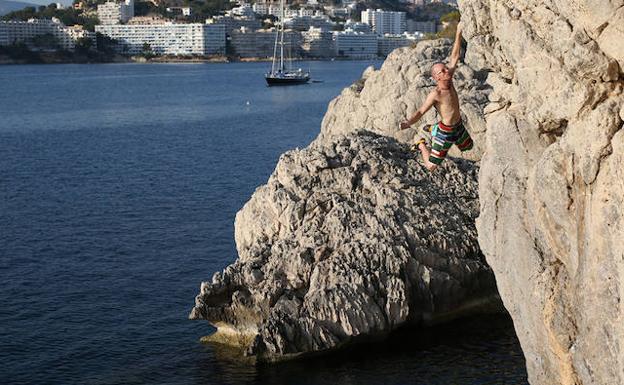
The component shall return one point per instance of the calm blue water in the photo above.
(118, 190)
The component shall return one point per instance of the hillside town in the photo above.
(236, 30)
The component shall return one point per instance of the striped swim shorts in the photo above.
(443, 137)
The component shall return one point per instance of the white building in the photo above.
(113, 12)
(184, 11)
(235, 22)
(356, 45)
(303, 23)
(357, 27)
(245, 10)
(152, 19)
(383, 22)
(275, 10)
(74, 33)
(261, 8)
(260, 43)
(422, 26)
(24, 31)
(167, 38)
(291, 13)
(337, 12)
(317, 43)
(306, 12)
(388, 43)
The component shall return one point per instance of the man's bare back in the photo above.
(445, 100)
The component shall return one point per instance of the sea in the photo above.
(119, 184)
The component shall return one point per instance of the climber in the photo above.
(450, 129)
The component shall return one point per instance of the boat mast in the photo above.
(275, 52)
(282, 36)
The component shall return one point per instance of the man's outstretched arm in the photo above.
(420, 112)
(456, 48)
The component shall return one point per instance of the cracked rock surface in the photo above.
(349, 240)
(552, 179)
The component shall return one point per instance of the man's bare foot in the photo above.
(416, 145)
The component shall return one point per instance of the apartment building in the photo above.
(385, 22)
(303, 23)
(306, 12)
(113, 12)
(260, 8)
(184, 11)
(242, 10)
(355, 45)
(357, 26)
(24, 31)
(388, 43)
(421, 26)
(233, 23)
(167, 38)
(337, 12)
(260, 44)
(275, 10)
(317, 43)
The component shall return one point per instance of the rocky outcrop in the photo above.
(382, 99)
(348, 240)
(551, 181)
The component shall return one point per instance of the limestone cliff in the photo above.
(339, 226)
(552, 179)
(382, 99)
(349, 239)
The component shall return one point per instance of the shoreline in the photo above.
(53, 58)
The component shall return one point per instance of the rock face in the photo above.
(348, 240)
(382, 99)
(551, 180)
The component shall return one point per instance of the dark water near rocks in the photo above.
(118, 190)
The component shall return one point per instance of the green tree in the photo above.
(147, 51)
(105, 44)
(430, 11)
(84, 45)
(45, 41)
(89, 22)
(144, 8)
(21, 52)
(203, 10)
(24, 14)
(67, 16)
(450, 17)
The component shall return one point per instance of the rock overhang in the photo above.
(348, 241)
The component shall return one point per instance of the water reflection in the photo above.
(479, 350)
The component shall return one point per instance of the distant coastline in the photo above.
(65, 57)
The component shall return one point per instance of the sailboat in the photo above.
(280, 75)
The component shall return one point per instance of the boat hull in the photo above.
(273, 81)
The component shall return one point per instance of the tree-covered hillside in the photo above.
(67, 16)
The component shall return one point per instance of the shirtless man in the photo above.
(449, 130)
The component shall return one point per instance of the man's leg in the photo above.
(424, 151)
(439, 149)
(464, 142)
